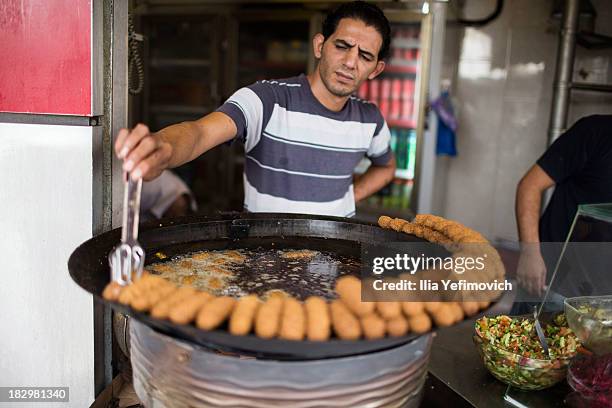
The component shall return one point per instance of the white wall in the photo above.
(502, 77)
(46, 322)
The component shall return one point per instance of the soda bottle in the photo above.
(411, 154)
(396, 91)
(362, 93)
(373, 91)
(393, 141)
(385, 97)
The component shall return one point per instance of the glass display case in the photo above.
(581, 287)
(400, 94)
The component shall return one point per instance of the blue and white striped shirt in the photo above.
(300, 156)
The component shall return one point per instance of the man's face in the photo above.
(349, 56)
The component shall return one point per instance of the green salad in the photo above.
(519, 336)
(512, 353)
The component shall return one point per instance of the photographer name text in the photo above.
(447, 285)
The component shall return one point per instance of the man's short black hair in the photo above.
(370, 14)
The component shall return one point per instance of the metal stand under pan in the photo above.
(173, 373)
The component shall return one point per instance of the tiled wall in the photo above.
(502, 77)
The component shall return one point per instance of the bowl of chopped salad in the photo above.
(510, 350)
(590, 317)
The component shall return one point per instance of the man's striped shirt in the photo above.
(300, 156)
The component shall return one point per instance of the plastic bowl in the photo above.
(590, 317)
(521, 372)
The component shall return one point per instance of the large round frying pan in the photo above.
(88, 266)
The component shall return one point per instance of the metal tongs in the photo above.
(127, 259)
(539, 331)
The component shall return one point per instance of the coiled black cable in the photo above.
(135, 82)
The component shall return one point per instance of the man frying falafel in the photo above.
(303, 136)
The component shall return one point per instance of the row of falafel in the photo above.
(282, 316)
(315, 319)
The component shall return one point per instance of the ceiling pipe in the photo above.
(563, 79)
(563, 71)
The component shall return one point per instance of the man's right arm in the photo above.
(147, 154)
(528, 202)
(531, 270)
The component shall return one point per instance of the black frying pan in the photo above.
(88, 266)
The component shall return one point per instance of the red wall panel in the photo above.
(45, 56)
